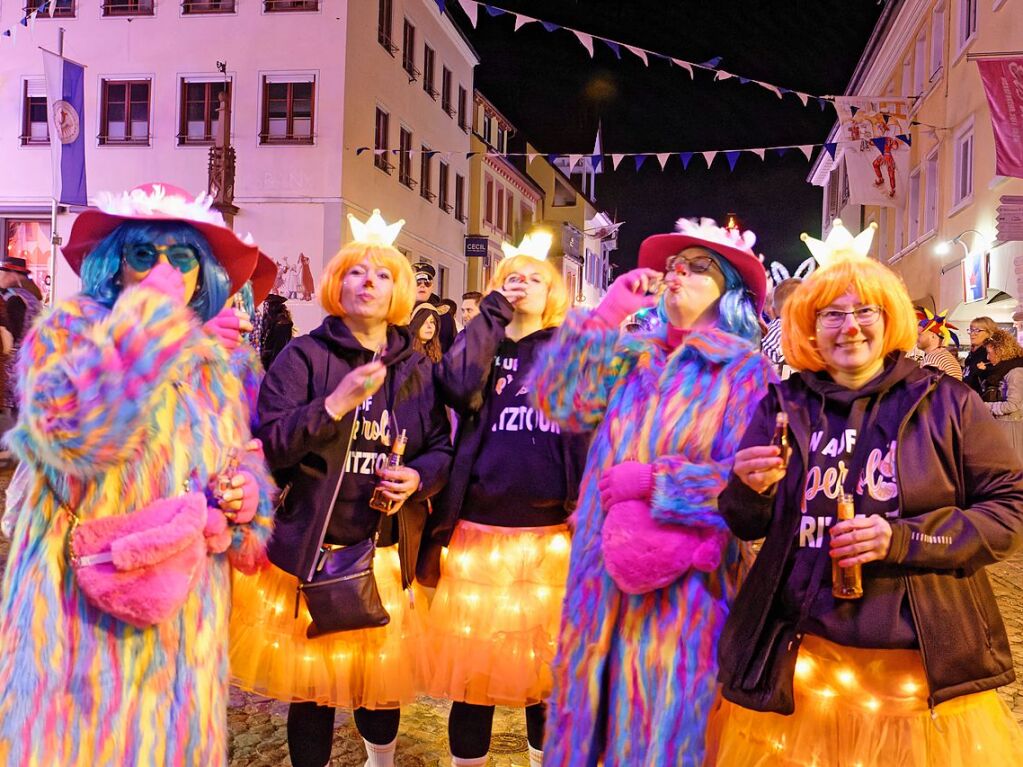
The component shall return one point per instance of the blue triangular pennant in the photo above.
(552, 158)
(440, 5)
(597, 162)
(470, 155)
(905, 138)
(549, 26)
(7, 33)
(744, 80)
(24, 22)
(685, 157)
(879, 143)
(783, 91)
(494, 11)
(360, 150)
(781, 150)
(733, 157)
(822, 103)
(640, 159)
(712, 63)
(613, 46)
(831, 146)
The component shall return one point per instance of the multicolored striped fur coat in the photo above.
(120, 407)
(634, 677)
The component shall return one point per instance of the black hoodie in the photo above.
(305, 447)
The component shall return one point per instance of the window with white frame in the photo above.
(913, 208)
(288, 109)
(931, 192)
(966, 24)
(962, 167)
(200, 109)
(124, 109)
(937, 39)
(920, 63)
(35, 125)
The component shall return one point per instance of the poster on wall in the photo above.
(874, 141)
(974, 277)
(30, 240)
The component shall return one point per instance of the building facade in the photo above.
(922, 50)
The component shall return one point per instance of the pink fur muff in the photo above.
(641, 554)
(157, 554)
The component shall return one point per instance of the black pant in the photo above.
(311, 731)
(470, 727)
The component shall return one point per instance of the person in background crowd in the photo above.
(425, 276)
(1003, 384)
(424, 327)
(934, 332)
(8, 405)
(976, 365)
(274, 328)
(494, 619)
(906, 673)
(771, 345)
(130, 401)
(329, 413)
(653, 567)
(470, 306)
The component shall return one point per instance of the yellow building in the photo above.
(921, 50)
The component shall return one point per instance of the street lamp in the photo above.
(943, 247)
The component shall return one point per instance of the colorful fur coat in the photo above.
(120, 407)
(634, 677)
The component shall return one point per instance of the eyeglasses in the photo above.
(421, 281)
(141, 257)
(974, 331)
(833, 319)
(695, 265)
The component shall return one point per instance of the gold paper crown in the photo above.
(535, 245)
(839, 244)
(374, 230)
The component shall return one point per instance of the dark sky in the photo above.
(550, 89)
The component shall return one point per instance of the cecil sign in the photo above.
(476, 246)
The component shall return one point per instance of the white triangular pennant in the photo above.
(521, 20)
(684, 64)
(722, 75)
(530, 156)
(662, 158)
(709, 157)
(32, 20)
(471, 9)
(638, 52)
(768, 86)
(803, 97)
(573, 160)
(586, 40)
(616, 160)
(806, 149)
(759, 152)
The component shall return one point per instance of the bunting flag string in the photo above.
(471, 9)
(663, 158)
(28, 20)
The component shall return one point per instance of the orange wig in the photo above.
(557, 294)
(403, 296)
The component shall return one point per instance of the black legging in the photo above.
(311, 731)
(470, 727)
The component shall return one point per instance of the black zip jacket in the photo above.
(305, 447)
(462, 378)
(961, 509)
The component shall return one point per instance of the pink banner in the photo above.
(1003, 84)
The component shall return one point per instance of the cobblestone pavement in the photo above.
(258, 730)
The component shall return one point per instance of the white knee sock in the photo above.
(380, 756)
(457, 761)
(535, 757)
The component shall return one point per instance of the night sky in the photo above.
(554, 94)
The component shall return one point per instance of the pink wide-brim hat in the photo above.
(733, 246)
(162, 202)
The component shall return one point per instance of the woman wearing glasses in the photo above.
(976, 366)
(652, 567)
(904, 671)
(129, 402)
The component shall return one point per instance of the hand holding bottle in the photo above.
(628, 294)
(860, 540)
(759, 467)
(397, 484)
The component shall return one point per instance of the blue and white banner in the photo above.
(65, 101)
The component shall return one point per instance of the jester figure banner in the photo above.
(876, 158)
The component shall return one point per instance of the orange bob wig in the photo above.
(873, 283)
(403, 296)
(557, 294)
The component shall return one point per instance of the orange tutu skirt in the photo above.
(374, 668)
(865, 708)
(495, 618)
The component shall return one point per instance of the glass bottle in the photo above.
(378, 500)
(846, 582)
(781, 438)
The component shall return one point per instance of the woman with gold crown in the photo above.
(331, 408)
(866, 632)
(503, 517)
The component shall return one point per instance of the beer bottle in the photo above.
(379, 501)
(846, 582)
(781, 437)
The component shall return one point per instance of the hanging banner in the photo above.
(876, 160)
(1003, 84)
(65, 97)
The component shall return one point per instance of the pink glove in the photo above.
(165, 279)
(218, 535)
(226, 327)
(250, 498)
(628, 481)
(623, 298)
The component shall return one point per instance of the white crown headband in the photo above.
(535, 245)
(374, 230)
(840, 244)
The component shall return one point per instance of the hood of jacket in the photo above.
(339, 339)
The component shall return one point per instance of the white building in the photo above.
(300, 78)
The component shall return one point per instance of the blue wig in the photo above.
(101, 269)
(736, 313)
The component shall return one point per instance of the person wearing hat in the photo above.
(275, 328)
(653, 565)
(424, 327)
(425, 276)
(935, 331)
(130, 400)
